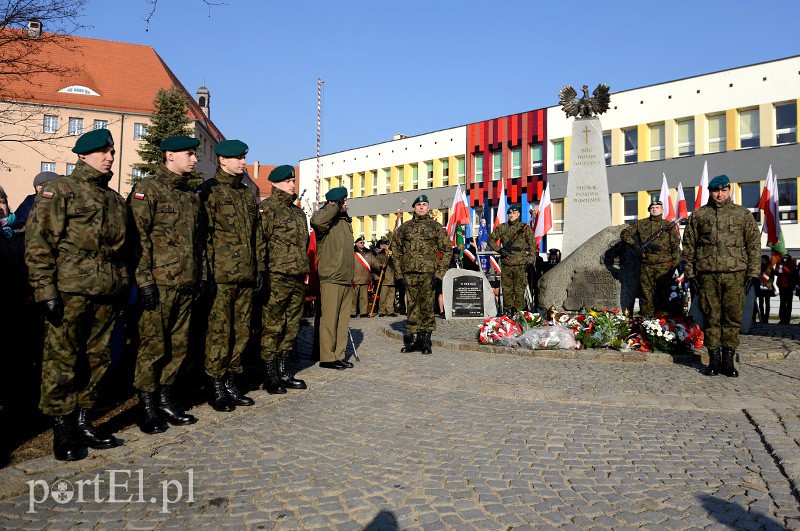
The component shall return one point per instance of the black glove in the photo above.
(694, 286)
(54, 311)
(504, 253)
(436, 283)
(340, 202)
(399, 283)
(749, 282)
(148, 295)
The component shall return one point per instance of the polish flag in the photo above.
(769, 204)
(501, 216)
(666, 200)
(682, 212)
(459, 214)
(544, 220)
(702, 192)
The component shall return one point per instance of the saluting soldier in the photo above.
(362, 276)
(421, 256)
(721, 248)
(334, 232)
(658, 245)
(387, 291)
(518, 250)
(235, 253)
(169, 270)
(286, 235)
(76, 253)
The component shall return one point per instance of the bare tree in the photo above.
(154, 3)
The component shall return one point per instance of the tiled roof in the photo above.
(126, 77)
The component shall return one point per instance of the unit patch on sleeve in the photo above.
(138, 195)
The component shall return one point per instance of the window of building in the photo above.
(363, 184)
(630, 209)
(387, 179)
(558, 155)
(373, 233)
(749, 136)
(79, 89)
(478, 167)
(401, 177)
(139, 131)
(497, 165)
(717, 139)
(48, 166)
(415, 176)
(137, 173)
(75, 126)
(631, 152)
(100, 124)
(70, 167)
(461, 171)
(50, 124)
(429, 174)
(787, 198)
(750, 193)
(689, 194)
(516, 163)
(536, 159)
(607, 147)
(374, 178)
(445, 172)
(786, 123)
(558, 216)
(657, 151)
(685, 137)
(346, 181)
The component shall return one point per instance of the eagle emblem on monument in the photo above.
(584, 106)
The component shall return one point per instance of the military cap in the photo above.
(44, 177)
(655, 202)
(513, 208)
(281, 173)
(360, 239)
(334, 194)
(231, 148)
(553, 251)
(93, 141)
(719, 182)
(383, 241)
(179, 143)
(420, 199)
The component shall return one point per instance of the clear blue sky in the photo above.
(414, 66)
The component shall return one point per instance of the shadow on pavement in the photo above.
(383, 521)
(735, 516)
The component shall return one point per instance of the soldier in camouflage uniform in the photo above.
(235, 253)
(518, 251)
(76, 255)
(286, 235)
(169, 270)
(721, 254)
(658, 259)
(421, 255)
(386, 263)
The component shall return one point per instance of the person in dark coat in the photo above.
(24, 208)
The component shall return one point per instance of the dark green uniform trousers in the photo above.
(420, 300)
(80, 346)
(281, 316)
(228, 329)
(514, 280)
(360, 299)
(722, 304)
(386, 299)
(163, 339)
(653, 277)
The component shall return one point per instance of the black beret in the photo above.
(44, 177)
(93, 141)
(360, 239)
(334, 194)
(231, 148)
(513, 208)
(655, 202)
(420, 199)
(383, 242)
(281, 173)
(179, 143)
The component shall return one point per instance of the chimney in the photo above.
(34, 28)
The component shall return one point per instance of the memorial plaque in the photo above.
(592, 288)
(467, 297)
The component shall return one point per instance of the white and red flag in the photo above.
(681, 209)
(702, 191)
(501, 215)
(769, 204)
(666, 200)
(459, 214)
(544, 220)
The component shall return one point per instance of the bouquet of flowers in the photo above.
(669, 335)
(599, 329)
(498, 329)
(527, 320)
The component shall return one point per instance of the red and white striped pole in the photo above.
(319, 134)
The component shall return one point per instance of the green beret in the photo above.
(421, 199)
(336, 193)
(281, 173)
(179, 143)
(655, 202)
(513, 208)
(93, 141)
(360, 239)
(231, 148)
(719, 182)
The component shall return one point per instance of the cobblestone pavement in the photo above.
(462, 439)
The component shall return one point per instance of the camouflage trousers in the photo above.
(722, 304)
(386, 299)
(360, 299)
(163, 339)
(76, 354)
(228, 329)
(420, 303)
(514, 280)
(334, 321)
(281, 316)
(652, 279)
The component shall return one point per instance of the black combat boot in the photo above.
(273, 383)
(286, 379)
(91, 436)
(65, 441)
(727, 363)
(236, 396)
(219, 398)
(410, 343)
(425, 342)
(149, 419)
(713, 362)
(174, 414)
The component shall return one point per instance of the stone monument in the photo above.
(587, 207)
(467, 294)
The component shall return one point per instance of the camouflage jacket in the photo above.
(721, 238)
(170, 236)
(665, 248)
(421, 245)
(386, 262)
(334, 233)
(286, 233)
(75, 237)
(235, 247)
(360, 273)
(518, 239)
